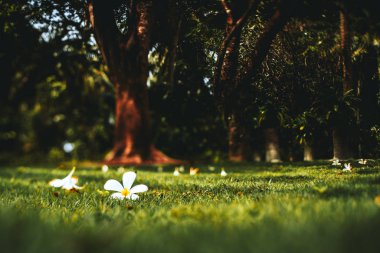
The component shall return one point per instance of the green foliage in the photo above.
(314, 208)
(343, 109)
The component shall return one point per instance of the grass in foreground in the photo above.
(256, 208)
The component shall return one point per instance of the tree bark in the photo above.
(228, 89)
(238, 139)
(172, 53)
(369, 107)
(342, 145)
(272, 145)
(127, 59)
(345, 143)
(308, 152)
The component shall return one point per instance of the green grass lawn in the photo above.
(256, 208)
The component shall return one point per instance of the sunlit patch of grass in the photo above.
(257, 207)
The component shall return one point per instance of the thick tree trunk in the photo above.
(127, 61)
(345, 143)
(308, 152)
(272, 145)
(342, 145)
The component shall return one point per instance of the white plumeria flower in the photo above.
(347, 167)
(223, 173)
(67, 183)
(105, 168)
(176, 172)
(126, 190)
(363, 161)
(336, 162)
(181, 169)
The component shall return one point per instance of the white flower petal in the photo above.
(56, 183)
(77, 187)
(128, 179)
(117, 195)
(132, 196)
(113, 185)
(139, 188)
(71, 173)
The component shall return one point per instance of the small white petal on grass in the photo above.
(139, 188)
(113, 185)
(176, 172)
(133, 196)
(336, 162)
(347, 167)
(117, 195)
(105, 168)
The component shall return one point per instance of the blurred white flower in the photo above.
(362, 161)
(160, 169)
(68, 147)
(120, 169)
(105, 168)
(223, 173)
(181, 169)
(347, 167)
(126, 190)
(194, 171)
(68, 183)
(176, 172)
(211, 168)
(336, 162)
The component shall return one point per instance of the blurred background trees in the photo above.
(57, 101)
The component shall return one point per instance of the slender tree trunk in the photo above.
(345, 143)
(308, 152)
(238, 143)
(369, 109)
(172, 54)
(272, 145)
(127, 59)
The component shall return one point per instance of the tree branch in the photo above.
(275, 25)
(235, 29)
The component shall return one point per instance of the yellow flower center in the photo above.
(125, 192)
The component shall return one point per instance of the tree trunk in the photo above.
(238, 141)
(172, 54)
(272, 145)
(127, 59)
(369, 107)
(308, 152)
(345, 143)
(342, 144)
